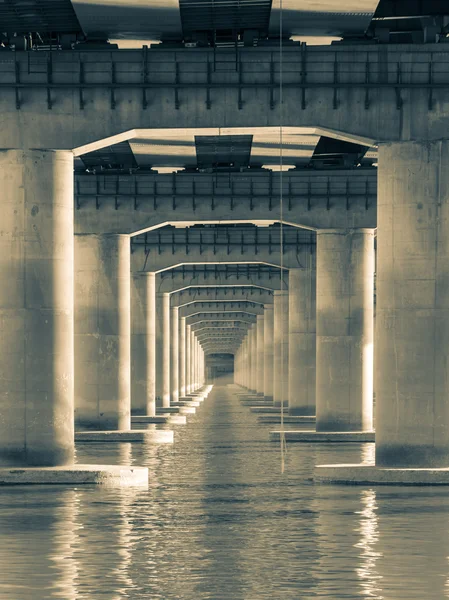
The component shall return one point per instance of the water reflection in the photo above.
(220, 522)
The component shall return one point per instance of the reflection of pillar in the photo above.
(412, 336)
(36, 307)
(188, 360)
(102, 331)
(174, 363)
(280, 348)
(143, 344)
(182, 356)
(260, 354)
(344, 325)
(163, 348)
(268, 351)
(302, 341)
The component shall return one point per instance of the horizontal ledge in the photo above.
(152, 436)
(107, 475)
(324, 436)
(370, 474)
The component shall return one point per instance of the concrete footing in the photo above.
(190, 399)
(154, 436)
(372, 475)
(107, 475)
(180, 410)
(324, 436)
(160, 419)
(288, 419)
(256, 403)
(183, 403)
(275, 410)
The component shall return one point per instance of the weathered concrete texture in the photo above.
(280, 349)
(372, 475)
(268, 364)
(344, 330)
(177, 420)
(174, 354)
(36, 308)
(253, 357)
(188, 360)
(182, 356)
(302, 340)
(153, 436)
(288, 419)
(163, 349)
(324, 436)
(189, 402)
(260, 378)
(412, 337)
(143, 344)
(107, 475)
(102, 332)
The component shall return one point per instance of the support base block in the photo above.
(288, 419)
(107, 475)
(159, 419)
(324, 436)
(183, 403)
(256, 403)
(372, 475)
(177, 410)
(271, 410)
(155, 436)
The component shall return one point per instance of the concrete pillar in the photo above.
(302, 341)
(192, 362)
(163, 349)
(412, 336)
(268, 351)
(260, 355)
(182, 356)
(143, 344)
(174, 362)
(36, 308)
(280, 348)
(102, 332)
(188, 360)
(253, 338)
(344, 326)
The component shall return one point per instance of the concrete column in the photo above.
(163, 349)
(260, 355)
(174, 363)
(182, 356)
(36, 308)
(412, 336)
(143, 344)
(302, 341)
(253, 335)
(102, 332)
(344, 325)
(280, 348)
(268, 351)
(188, 360)
(192, 361)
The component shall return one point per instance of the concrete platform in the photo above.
(154, 436)
(268, 409)
(324, 436)
(187, 403)
(180, 410)
(160, 419)
(191, 399)
(107, 475)
(372, 475)
(256, 403)
(288, 419)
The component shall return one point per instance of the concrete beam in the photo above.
(166, 282)
(232, 294)
(194, 308)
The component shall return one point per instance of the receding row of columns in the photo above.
(315, 343)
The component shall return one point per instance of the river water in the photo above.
(219, 521)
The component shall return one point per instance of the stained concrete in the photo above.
(107, 475)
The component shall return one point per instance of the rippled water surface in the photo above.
(219, 521)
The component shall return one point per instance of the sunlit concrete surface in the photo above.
(107, 475)
(287, 419)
